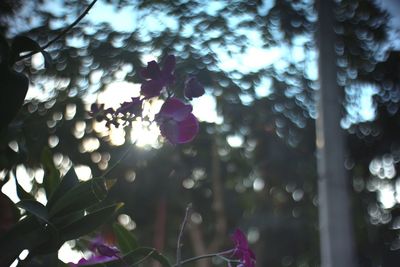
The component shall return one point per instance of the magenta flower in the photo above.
(157, 79)
(101, 253)
(177, 123)
(193, 88)
(242, 251)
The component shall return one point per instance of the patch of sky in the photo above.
(360, 107)
(205, 109)
(213, 8)
(263, 88)
(106, 12)
(265, 7)
(311, 70)
(246, 99)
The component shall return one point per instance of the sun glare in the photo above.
(144, 134)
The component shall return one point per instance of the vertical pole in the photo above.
(335, 223)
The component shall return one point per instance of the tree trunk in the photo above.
(335, 224)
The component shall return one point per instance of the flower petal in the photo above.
(152, 71)
(169, 129)
(151, 88)
(180, 132)
(193, 88)
(188, 129)
(242, 251)
(175, 109)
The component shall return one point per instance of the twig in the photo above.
(179, 244)
(219, 255)
(61, 33)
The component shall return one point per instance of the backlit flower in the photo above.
(177, 123)
(193, 88)
(157, 79)
(242, 250)
(131, 108)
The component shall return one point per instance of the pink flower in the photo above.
(177, 123)
(242, 251)
(157, 79)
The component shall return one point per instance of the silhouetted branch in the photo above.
(61, 33)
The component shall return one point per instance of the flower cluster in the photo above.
(175, 119)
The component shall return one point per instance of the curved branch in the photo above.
(63, 32)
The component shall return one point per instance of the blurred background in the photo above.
(253, 163)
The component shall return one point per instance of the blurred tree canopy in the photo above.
(256, 168)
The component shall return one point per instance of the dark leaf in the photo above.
(126, 240)
(88, 223)
(22, 194)
(22, 44)
(80, 197)
(9, 213)
(35, 208)
(69, 181)
(51, 174)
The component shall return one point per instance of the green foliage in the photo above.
(125, 239)
(87, 223)
(52, 174)
(73, 210)
(80, 197)
(36, 209)
(21, 193)
(68, 182)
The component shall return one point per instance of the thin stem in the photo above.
(142, 259)
(63, 32)
(205, 256)
(179, 244)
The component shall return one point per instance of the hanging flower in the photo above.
(177, 123)
(242, 250)
(157, 79)
(193, 88)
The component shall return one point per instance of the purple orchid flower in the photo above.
(177, 123)
(157, 79)
(242, 250)
(193, 88)
(101, 253)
